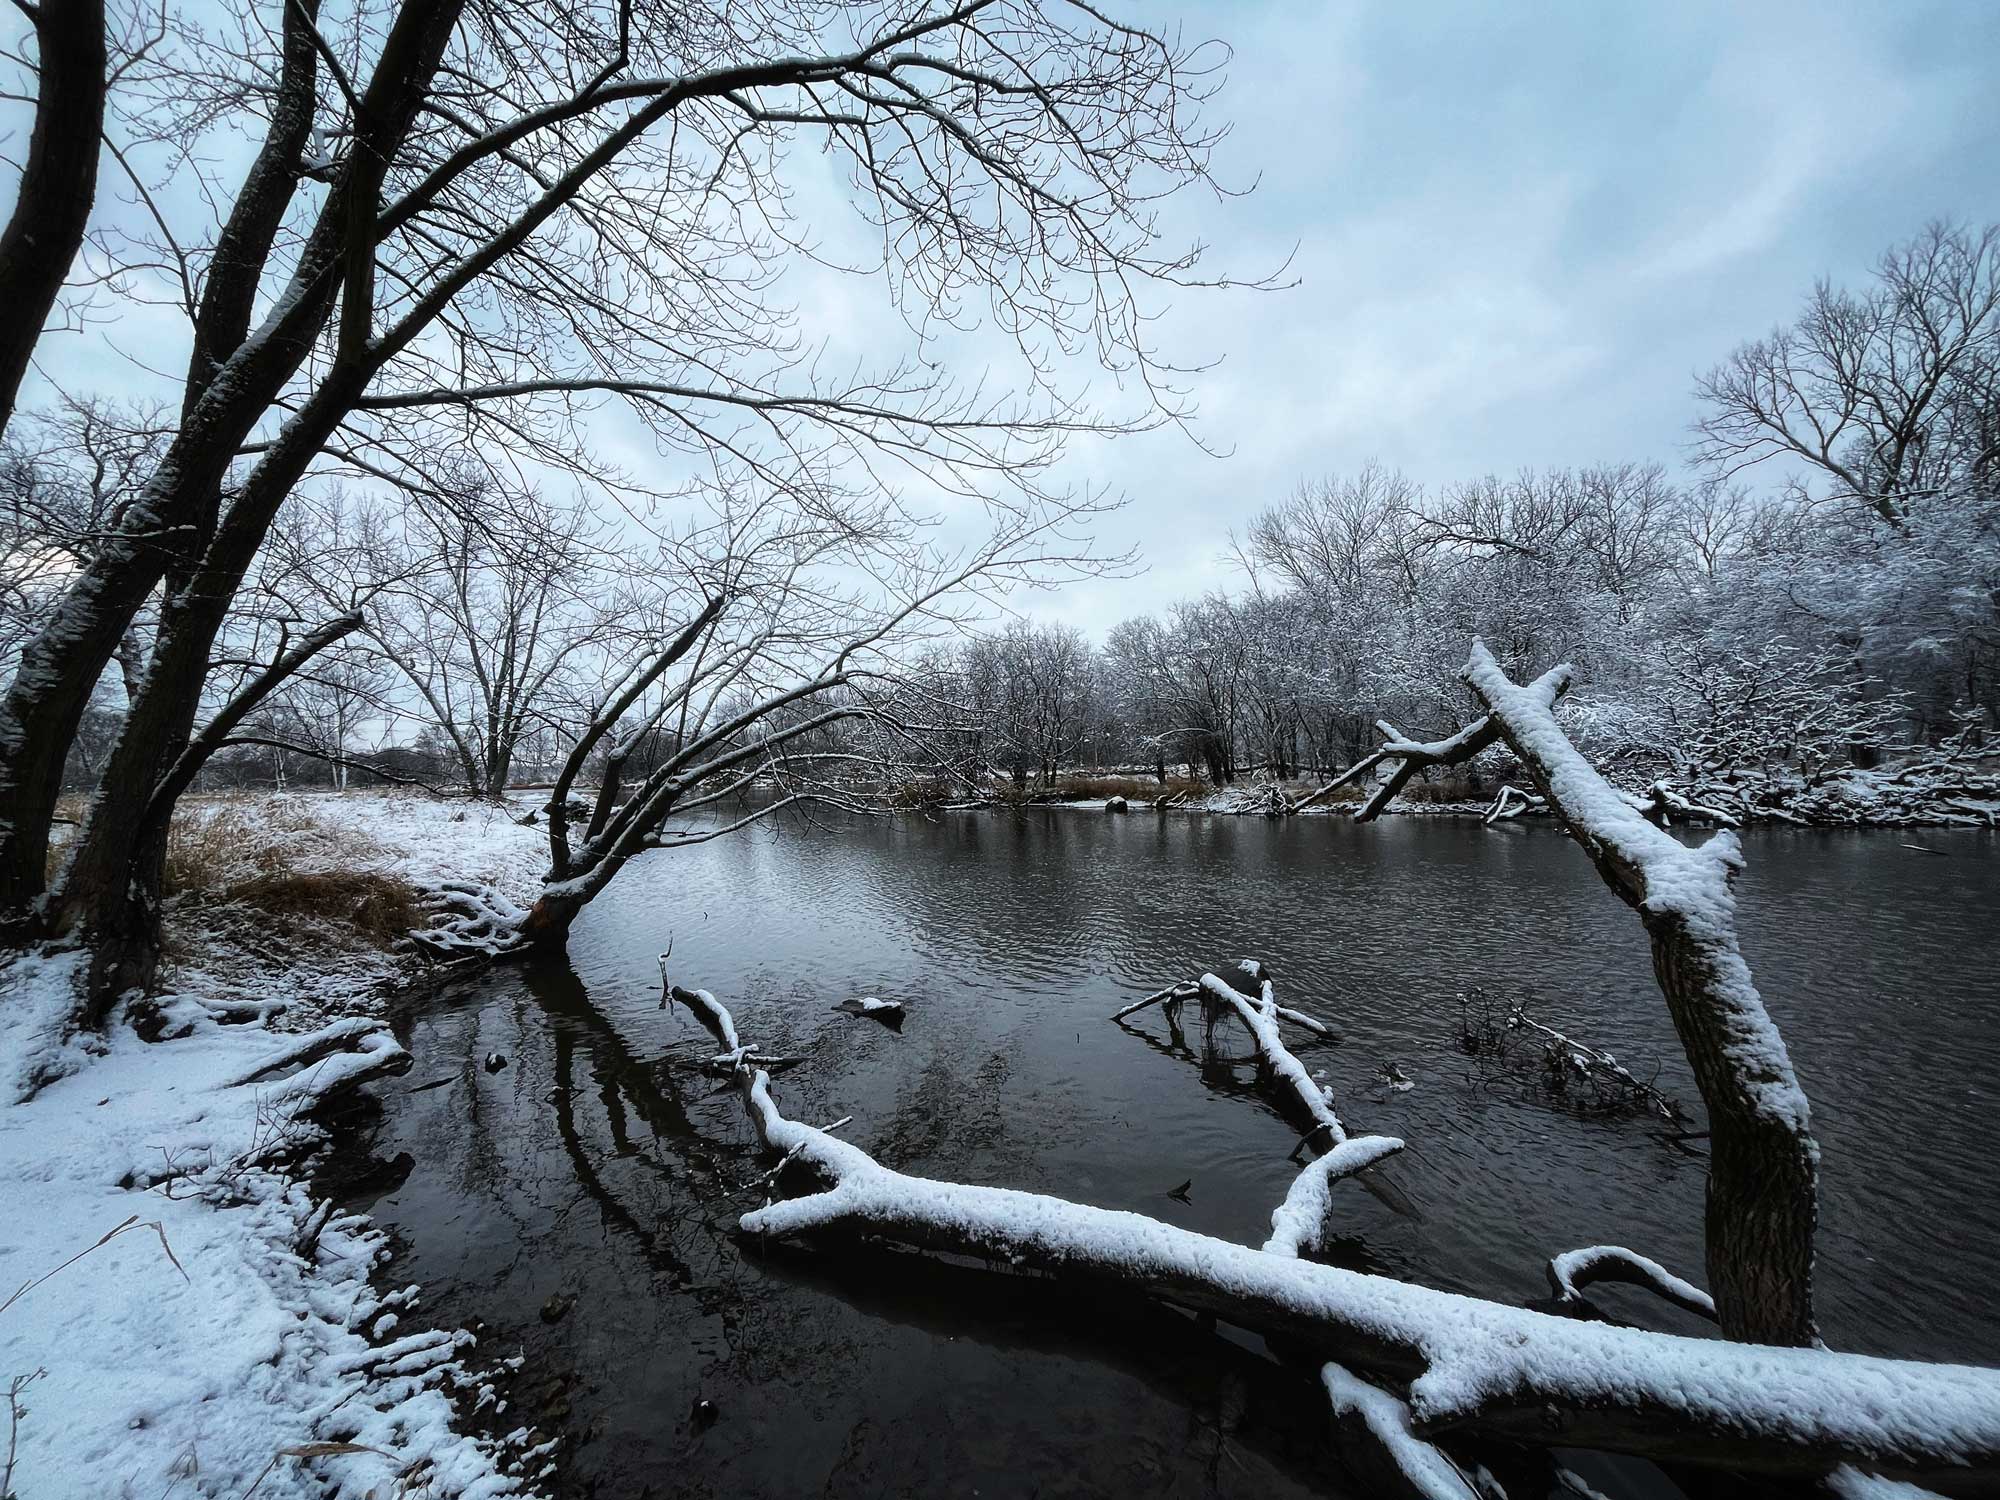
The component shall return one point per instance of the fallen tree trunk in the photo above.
(1468, 1364)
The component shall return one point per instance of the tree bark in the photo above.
(167, 526)
(58, 183)
(109, 899)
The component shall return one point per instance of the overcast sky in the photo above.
(1521, 229)
(1517, 230)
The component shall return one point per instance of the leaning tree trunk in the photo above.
(1763, 1176)
(58, 183)
(109, 901)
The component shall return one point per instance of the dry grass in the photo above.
(380, 908)
(1447, 788)
(277, 860)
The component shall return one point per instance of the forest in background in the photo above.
(1817, 588)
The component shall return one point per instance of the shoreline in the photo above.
(196, 1305)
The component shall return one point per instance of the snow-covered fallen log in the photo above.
(716, 1020)
(1510, 802)
(1302, 1097)
(1466, 1363)
(1261, 1017)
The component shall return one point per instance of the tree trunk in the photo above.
(59, 667)
(58, 183)
(1763, 1175)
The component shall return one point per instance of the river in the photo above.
(599, 1165)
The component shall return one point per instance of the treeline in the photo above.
(1823, 588)
(1819, 588)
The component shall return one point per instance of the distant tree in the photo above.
(1880, 400)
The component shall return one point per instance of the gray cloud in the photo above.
(1521, 230)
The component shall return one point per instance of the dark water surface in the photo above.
(600, 1165)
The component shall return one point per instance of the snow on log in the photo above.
(1262, 1019)
(1419, 1470)
(1573, 1270)
(887, 1012)
(1848, 1483)
(1469, 1364)
(1175, 993)
(1763, 1180)
(1510, 802)
(1171, 992)
(329, 1061)
(1661, 803)
(1298, 1222)
(1410, 756)
(309, 1048)
(708, 1010)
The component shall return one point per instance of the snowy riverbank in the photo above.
(1935, 793)
(189, 1317)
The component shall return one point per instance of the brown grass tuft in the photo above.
(275, 859)
(379, 907)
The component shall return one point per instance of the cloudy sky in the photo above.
(1522, 227)
(1517, 231)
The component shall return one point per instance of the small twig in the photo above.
(110, 1235)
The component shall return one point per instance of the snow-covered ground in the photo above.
(188, 1319)
(223, 949)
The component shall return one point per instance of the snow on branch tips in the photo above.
(1573, 1270)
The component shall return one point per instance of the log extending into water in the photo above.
(1763, 1176)
(1262, 1019)
(1468, 1364)
(1175, 993)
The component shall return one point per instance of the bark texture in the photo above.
(1763, 1177)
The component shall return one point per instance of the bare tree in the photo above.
(731, 709)
(487, 610)
(1882, 398)
(527, 213)
(1033, 688)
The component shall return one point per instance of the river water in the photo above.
(599, 1165)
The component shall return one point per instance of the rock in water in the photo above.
(495, 1061)
(888, 1012)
